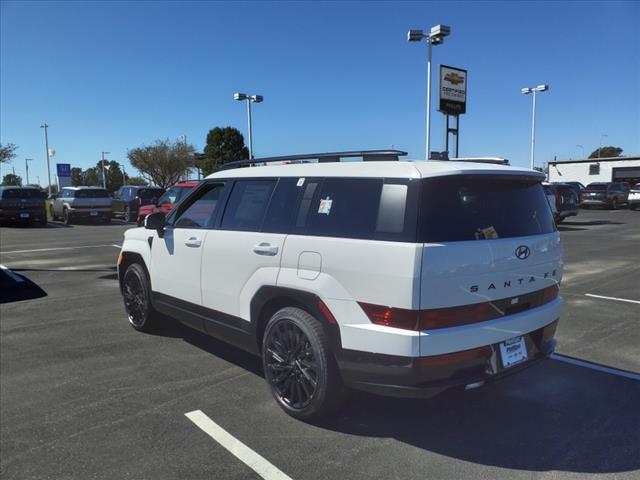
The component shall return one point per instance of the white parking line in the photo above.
(59, 248)
(594, 366)
(16, 278)
(612, 298)
(116, 245)
(253, 460)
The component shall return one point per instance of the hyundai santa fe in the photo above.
(401, 278)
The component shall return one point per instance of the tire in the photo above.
(53, 217)
(136, 292)
(126, 216)
(614, 204)
(299, 366)
(66, 215)
(43, 221)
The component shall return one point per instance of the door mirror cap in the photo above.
(155, 221)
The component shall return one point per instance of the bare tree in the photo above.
(7, 152)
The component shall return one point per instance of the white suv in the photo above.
(395, 277)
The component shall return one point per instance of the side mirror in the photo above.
(155, 221)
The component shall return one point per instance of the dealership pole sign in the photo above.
(453, 90)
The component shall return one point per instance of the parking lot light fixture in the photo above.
(434, 37)
(46, 146)
(527, 91)
(26, 164)
(249, 99)
(104, 171)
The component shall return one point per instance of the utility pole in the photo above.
(104, 171)
(26, 164)
(46, 147)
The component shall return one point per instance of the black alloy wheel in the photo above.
(299, 366)
(291, 365)
(137, 299)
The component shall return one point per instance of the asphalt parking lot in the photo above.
(82, 395)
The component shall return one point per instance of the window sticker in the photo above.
(325, 206)
(300, 182)
(488, 233)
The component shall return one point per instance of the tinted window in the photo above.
(393, 202)
(22, 193)
(199, 212)
(247, 205)
(92, 193)
(597, 186)
(281, 208)
(149, 192)
(459, 208)
(343, 207)
(594, 169)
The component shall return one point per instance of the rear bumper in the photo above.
(19, 215)
(423, 377)
(100, 212)
(593, 201)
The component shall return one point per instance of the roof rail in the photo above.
(367, 156)
(496, 160)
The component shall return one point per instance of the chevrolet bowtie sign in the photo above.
(453, 90)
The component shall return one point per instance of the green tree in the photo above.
(7, 152)
(224, 144)
(115, 177)
(136, 181)
(76, 177)
(164, 162)
(605, 152)
(11, 179)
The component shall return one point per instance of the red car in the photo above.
(167, 201)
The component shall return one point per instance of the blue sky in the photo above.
(115, 75)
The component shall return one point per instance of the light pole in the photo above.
(600, 145)
(435, 37)
(104, 171)
(581, 147)
(26, 164)
(46, 146)
(527, 91)
(250, 99)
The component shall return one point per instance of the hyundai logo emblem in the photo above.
(522, 252)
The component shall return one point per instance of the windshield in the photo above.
(93, 193)
(597, 186)
(465, 207)
(22, 193)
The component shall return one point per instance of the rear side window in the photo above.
(281, 208)
(150, 192)
(247, 205)
(341, 207)
(459, 208)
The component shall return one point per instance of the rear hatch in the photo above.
(91, 198)
(595, 192)
(488, 240)
(30, 199)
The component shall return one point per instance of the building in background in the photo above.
(612, 169)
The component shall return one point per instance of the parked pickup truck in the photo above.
(22, 204)
(89, 203)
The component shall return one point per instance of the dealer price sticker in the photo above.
(513, 351)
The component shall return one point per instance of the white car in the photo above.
(634, 197)
(395, 277)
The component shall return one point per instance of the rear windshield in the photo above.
(150, 192)
(461, 207)
(597, 186)
(23, 193)
(93, 193)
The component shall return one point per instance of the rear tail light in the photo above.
(326, 312)
(430, 319)
(549, 331)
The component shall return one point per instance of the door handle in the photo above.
(265, 248)
(193, 242)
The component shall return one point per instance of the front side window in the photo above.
(199, 212)
(477, 207)
(247, 205)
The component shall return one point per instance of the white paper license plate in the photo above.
(93, 214)
(24, 215)
(513, 351)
